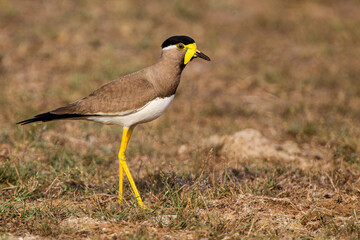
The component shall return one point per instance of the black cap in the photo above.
(177, 39)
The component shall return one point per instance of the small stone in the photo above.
(166, 219)
(182, 149)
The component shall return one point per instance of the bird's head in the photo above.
(184, 47)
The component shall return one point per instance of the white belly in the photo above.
(149, 112)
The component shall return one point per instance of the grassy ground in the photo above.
(289, 69)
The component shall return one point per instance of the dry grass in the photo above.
(289, 69)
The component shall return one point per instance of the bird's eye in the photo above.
(180, 46)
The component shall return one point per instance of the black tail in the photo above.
(45, 117)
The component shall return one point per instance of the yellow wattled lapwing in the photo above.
(132, 99)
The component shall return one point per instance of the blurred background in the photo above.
(293, 62)
(288, 69)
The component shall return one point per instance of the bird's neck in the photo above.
(165, 75)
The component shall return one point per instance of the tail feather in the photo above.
(45, 117)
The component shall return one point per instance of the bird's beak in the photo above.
(202, 55)
(192, 52)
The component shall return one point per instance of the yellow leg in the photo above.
(124, 142)
(123, 167)
(121, 174)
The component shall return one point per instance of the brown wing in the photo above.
(120, 96)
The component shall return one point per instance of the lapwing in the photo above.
(135, 98)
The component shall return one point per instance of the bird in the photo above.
(132, 99)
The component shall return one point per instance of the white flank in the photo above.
(149, 112)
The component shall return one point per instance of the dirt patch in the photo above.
(249, 145)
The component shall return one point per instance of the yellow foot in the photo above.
(120, 199)
(146, 208)
(140, 204)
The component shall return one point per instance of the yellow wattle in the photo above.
(191, 50)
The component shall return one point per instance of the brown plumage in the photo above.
(133, 91)
(127, 94)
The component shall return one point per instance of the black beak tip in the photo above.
(206, 58)
(203, 56)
